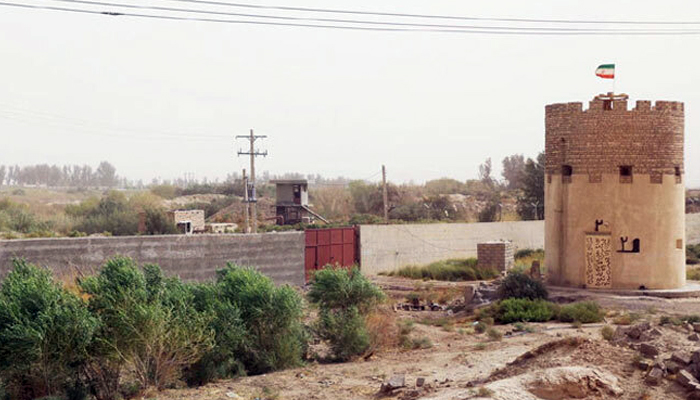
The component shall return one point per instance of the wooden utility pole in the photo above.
(385, 196)
(252, 198)
(245, 203)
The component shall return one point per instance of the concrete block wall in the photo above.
(194, 257)
(384, 248)
(498, 255)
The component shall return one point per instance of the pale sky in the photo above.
(163, 98)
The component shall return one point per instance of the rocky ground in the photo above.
(642, 360)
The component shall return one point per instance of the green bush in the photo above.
(448, 270)
(111, 214)
(692, 254)
(523, 310)
(45, 333)
(521, 286)
(692, 274)
(222, 360)
(146, 322)
(584, 312)
(344, 297)
(271, 316)
(607, 332)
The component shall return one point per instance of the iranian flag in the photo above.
(606, 71)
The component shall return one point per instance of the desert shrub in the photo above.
(692, 274)
(112, 213)
(669, 320)
(158, 222)
(337, 288)
(365, 219)
(229, 337)
(45, 333)
(480, 327)
(584, 312)
(494, 334)
(524, 310)
(344, 298)
(147, 322)
(607, 332)
(521, 286)
(275, 338)
(692, 254)
(448, 270)
(627, 318)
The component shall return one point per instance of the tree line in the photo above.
(105, 175)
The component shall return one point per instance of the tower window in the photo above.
(625, 174)
(566, 172)
(677, 173)
(607, 105)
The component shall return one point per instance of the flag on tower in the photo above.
(606, 71)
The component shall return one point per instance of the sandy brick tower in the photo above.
(614, 194)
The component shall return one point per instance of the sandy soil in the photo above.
(459, 363)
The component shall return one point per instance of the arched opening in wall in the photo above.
(625, 174)
(607, 105)
(566, 172)
(677, 173)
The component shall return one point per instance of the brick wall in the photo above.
(497, 255)
(192, 257)
(599, 141)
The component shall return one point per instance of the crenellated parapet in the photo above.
(607, 136)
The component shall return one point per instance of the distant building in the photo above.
(189, 221)
(221, 227)
(292, 203)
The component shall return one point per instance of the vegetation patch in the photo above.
(344, 298)
(522, 286)
(447, 270)
(585, 312)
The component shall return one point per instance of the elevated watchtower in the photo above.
(614, 194)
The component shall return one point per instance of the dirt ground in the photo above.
(461, 362)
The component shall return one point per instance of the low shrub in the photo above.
(627, 318)
(585, 312)
(480, 327)
(692, 274)
(607, 332)
(494, 334)
(448, 270)
(524, 310)
(345, 298)
(521, 286)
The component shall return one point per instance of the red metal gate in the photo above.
(333, 246)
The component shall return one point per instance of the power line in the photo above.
(354, 21)
(452, 17)
(483, 30)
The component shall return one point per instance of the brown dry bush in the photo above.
(382, 328)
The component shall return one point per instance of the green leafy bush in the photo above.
(448, 270)
(344, 298)
(45, 333)
(692, 254)
(275, 338)
(222, 360)
(584, 312)
(146, 322)
(521, 286)
(523, 310)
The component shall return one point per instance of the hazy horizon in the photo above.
(166, 98)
